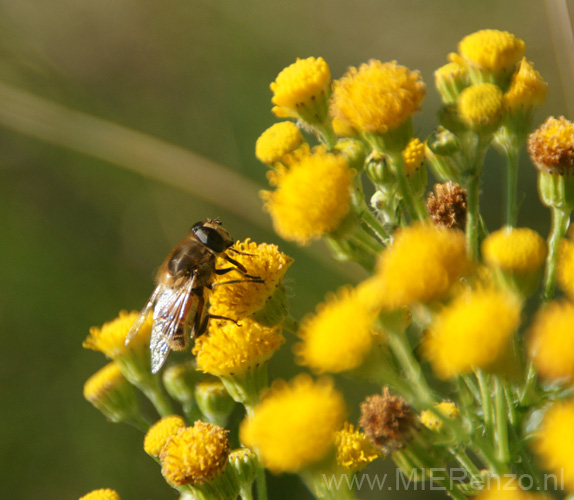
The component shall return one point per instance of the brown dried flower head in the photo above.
(447, 205)
(387, 421)
(551, 147)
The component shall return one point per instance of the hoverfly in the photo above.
(182, 287)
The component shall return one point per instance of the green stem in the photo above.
(402, 350)
(503, 454)
(415, 206)
(261, 483)
(559, 226)
(484, 384)
(464, 460)
(327, 135)
(290, 323)
(512, 157)
(529, 386)
(375, 224)
(512, 417)
(473, 215)
(150, 386)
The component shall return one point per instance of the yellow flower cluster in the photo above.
(481, 105)
(354, 450)
(278, 140)
(521, 250)
(159, 433)
(295, 425)
(473, 331)
(312, 198)
(103, 494)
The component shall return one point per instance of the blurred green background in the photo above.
(89, 209)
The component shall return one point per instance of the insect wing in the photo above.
(142, 316)
(169, 311)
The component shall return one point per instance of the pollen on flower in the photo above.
(473, 331)
(232, 348)
(566, 267)
(241, 300)
(278, 140)
(312, 198)
(552, 343)
(514, 249)
(354, 450)
(338, 337)
(111, 337)
(388, 421)
(378, 96)
(431, 421)
(492, 50)
(527, 89)
(195, 454)
(481, 105)
(447, 206)
(413, 156)
(551, 147)
(102, 494)
(159, 433)
(303, 84)
(295, 424)
(422, 265)
(555, 441)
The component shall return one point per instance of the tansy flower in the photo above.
(473, 331)
(447, 206)
(294, 426)
(552, 343)
(277, 141)
(159, 433)
(413, 156)
(520, 249)
(111, 337)
(195, 454)
(431, 421)
(312, 198)
(265, 302)
(103, 494)
(377, 97)
(554, 442)
(112, 394)
(302, 90)
(527, 89)
(245, 463)
(387, 421)
(518, 253)
(338, 337)
(231, 349)
(481, 106)
(450, 80)
(354, 450)
(422, 265)
(551, 147)
(491, 51)
(566, 267)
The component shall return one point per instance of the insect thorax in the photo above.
(191, 257)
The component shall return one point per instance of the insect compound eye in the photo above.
(210, 238)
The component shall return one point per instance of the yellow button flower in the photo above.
(195, 454)
(552, 342)
(312, 198)
(338, 337)
(431, 421)
(295, 425)
(354, 450)
(492, 50)
(473, 331)
(301, 90)
(520, 249)
(111, 337)
(414, 156)
(422, 265)
(103, 494)
(527, 89)
(555, 442)
(481, 106)
(232, 349)
(507, 488)
(377, 97)
(159, 433)
(278, 140)
(245, 299)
